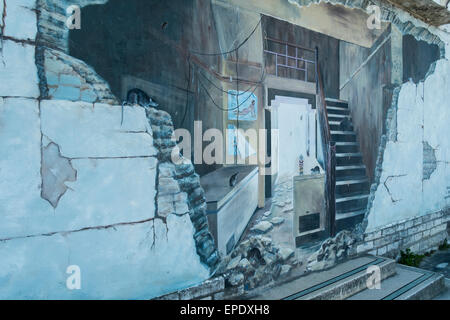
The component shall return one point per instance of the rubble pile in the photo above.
(331, 251)
(256, 262)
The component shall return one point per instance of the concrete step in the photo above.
(351, 185)
(350, 214)
(351, 202)
(336, 103)
(347, 147)
(343, 181)
(336, 125)
(343, 136)
(350, 170)
(407, 284)
(338, 110)
(337, 283)
(347, 159)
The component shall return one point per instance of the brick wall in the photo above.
(419, 234)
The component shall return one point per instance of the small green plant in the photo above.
(410, 259)
(444, 246)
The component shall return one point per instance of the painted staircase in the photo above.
(352, 184)
(349, 281)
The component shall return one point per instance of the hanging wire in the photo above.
(187, 90)
(221, 108)
(261, 81)
(233, 50)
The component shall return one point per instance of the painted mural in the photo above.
(224, 150)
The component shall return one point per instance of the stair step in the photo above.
(337, 117)
(343, 133)
(349, 155)
(351, 198)
(351, 214)
(337, 283)
(336, 125)
(338, 110)
(347, 159)
(359, 166)
(407, 284)
(350, 170)
(336, 103)
(334, 108)
(347, 147)
(335, 100)
(343, 136)
(343, 181)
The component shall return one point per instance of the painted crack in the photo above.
(385, 183)
(178, 187)
(2, 31)
(101, 227)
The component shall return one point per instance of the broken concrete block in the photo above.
(244, 264)
(285, 268)
(234, 262)
(20, 19)
(267, 213)
(277, 221)
(69, 78)
(84, 130)
(18, 72)
(262, 227)
(285, 253)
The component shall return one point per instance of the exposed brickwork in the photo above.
(178, 187)
(419, 234)
(68, 78)
(53, 32)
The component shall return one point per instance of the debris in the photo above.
(262, 227)
(277, 221)
(285, 253)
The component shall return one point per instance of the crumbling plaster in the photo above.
(407, 186)
(102, 217)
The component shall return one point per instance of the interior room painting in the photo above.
(327, 126)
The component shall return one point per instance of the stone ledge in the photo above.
(214, 287)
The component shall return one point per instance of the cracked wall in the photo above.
(413, 171)
(429, 160)
(77, 187)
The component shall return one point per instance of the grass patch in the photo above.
(410, 258)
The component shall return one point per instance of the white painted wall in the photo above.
(105, 222)
(423, 115)
(291, 116)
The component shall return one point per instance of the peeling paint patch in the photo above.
(55, 171)
(429, 160)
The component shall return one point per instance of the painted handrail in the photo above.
(329, 151)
